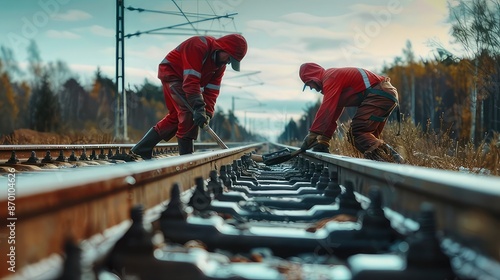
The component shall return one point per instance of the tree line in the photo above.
(461, 93)
(53, 99)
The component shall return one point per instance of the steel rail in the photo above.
(24, 151)
(52, 206)
(467, 206)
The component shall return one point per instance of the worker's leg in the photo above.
(187, 131)
(369, 121)
(168, 126)
(165, 129)
(144, 147)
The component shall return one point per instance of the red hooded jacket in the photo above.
(341, 87)
(193, 63)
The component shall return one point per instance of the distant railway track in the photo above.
(92, 205)
(63, 153)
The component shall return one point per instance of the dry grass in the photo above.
(419, 147)
(32, 137)
(434, 149)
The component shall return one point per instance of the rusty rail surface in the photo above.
(45, 208)
(23, 152)
(84, 203)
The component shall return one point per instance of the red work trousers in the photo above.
(179, 120)
(371, 116)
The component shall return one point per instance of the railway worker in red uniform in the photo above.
(374, 96)
(192, 71)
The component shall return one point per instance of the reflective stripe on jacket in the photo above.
(193, 63)
(340, 86)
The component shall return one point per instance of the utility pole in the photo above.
(473, 102)
(233, 121)
(120, 112)
(121, 129)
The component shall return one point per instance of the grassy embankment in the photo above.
(434, 149)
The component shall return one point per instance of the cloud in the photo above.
(108, 51)
(142, 74)
(97, 30)
(88, 72)
(292, 30)
(309, 19)
(365, 35)
(86, 69)
(152, 52)
(56, 34)
(318, 43)
(101, 31)
(72, 15)
(304, 32)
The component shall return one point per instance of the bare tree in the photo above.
(10, 62)
(476, 25)
(58, 74)
(35, 67)
(409, 56)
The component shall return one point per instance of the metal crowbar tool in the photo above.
(206, 127)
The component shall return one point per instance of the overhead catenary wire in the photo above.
(154, 31)
(141, 10)
(183, 14)
(192, 19)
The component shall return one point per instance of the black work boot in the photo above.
(145, 146)
(395, 155)
(384, 153)
(186, 146)
(380, 153)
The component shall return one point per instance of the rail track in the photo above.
(383, 221)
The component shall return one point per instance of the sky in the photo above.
(281, 35)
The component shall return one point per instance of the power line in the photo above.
(140, 10)
(244, 75)
(154, 31)
(121, 104)
(183, 14)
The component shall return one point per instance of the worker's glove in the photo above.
(323, 144)
(309, 141)
(200, 117)
(312, 139)
(209, 117)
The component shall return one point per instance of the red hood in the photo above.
(311, 72)
(234, 44)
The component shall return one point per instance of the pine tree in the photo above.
(8, 106)
(45, 108)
